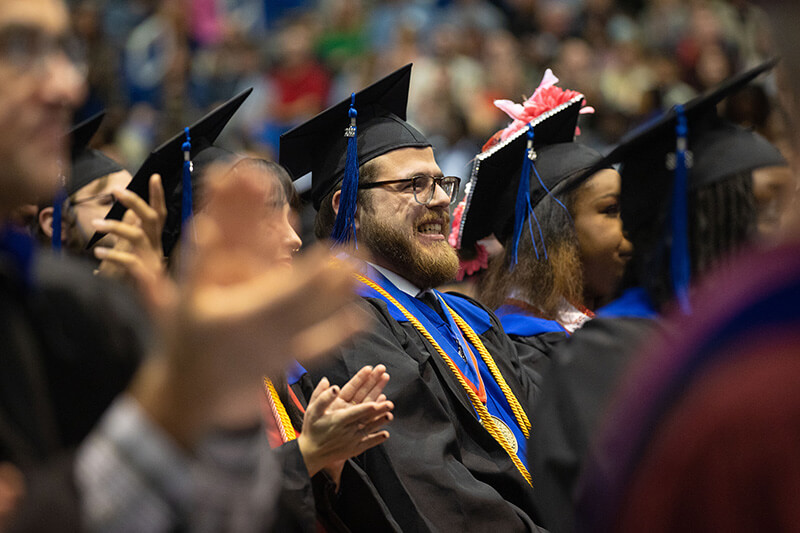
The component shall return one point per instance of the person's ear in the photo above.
(46, 221)
(335, 201)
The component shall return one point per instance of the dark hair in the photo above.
(326, 216)
(542, 281)
(722, 217)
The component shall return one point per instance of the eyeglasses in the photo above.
(102, 199)
(423, 187)
(26, 48)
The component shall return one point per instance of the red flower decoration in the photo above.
(469, 267)
(546, 97)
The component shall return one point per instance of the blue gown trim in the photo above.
(516, 322)
(634, 303)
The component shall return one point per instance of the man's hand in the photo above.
(340, 424)
(137, 254)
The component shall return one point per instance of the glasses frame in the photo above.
(437, 182)
(102, 196)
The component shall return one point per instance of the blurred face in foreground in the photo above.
(41, 82)
(277, 224)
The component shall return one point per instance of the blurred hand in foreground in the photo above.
(237, 317)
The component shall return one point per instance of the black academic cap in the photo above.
(694, 108)
(655, 185)
(718, 149)
(82, 132)
(319, 145)
(88, 164)
(167, 161)
(490, 201)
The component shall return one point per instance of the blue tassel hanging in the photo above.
(345, 223)
(58, 205)
(551, 196)
(680, 266)
(186, 203)
(523, 209)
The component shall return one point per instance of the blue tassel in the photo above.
(523, 209)
(680, 266)
(58, 205)
(551, 194)
(345, 223)
(186, 204)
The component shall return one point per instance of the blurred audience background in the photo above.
(157, 65)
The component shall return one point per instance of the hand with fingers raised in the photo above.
(342, 423)
(137, 253)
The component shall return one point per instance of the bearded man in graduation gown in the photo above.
(456, 456)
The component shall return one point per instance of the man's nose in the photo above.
(440, 197)
(63, 82)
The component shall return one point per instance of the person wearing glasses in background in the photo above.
(88, 191)
(456, 459)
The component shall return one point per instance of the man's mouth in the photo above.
(430, 228)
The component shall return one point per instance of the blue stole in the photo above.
(634, 302)
(450, 340)
(517, 321)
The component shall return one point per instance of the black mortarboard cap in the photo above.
(319, 145)
(81, 134)
(718, 150)
(489, 205)
(167, 161)
(654, 182)
(88, 164)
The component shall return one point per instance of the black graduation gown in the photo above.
(582, 377)
(544, 343)
(70, 344)
(304, 501)
(440, 470)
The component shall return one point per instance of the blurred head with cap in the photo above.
(375, 182)
(687, 190)
(560, 229)
(92, 177)
(181, 162)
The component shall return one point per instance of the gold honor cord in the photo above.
(486, 418)
(279, 412)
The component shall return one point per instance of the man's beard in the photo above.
(425, 266)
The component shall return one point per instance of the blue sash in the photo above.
(449, 340)
(516, 321)
(634, 302)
